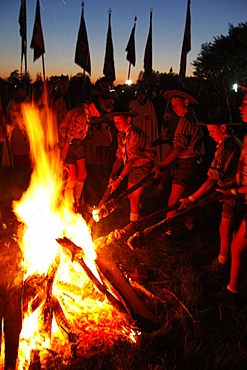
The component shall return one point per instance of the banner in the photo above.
(23, 33)
(130, 48)
(148, 51)
(37, 43)
(82, 52)
(109, 66)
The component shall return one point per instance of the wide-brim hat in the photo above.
(121, 109)
(183, 93)
(219, 116)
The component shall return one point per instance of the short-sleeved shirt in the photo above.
(189, 136)
(75, 125)
(241, 175)
(224, 165)
(135, 144)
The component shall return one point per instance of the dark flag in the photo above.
(37, 43)
(130, 48)
(82, 52)
(109, 66)
(186, 47)
(23, 32)
(148, 51)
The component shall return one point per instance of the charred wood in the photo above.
(145, 318)
(46, 311)
(33, 292)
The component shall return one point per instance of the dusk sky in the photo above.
(60, 23)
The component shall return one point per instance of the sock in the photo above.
(223, 260)
(78, 191)
(134, 217)
(234, 291)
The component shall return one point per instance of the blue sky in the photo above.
(60, 24)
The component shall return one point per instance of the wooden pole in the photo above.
(43, 66)
(129, 71)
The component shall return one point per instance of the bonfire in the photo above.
(65, 314)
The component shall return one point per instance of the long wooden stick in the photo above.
(106, 208)
(168, 223)
(181, 303)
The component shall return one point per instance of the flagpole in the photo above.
(43, 66)
(129, 71)
(148, 52)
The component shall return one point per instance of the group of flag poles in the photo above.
(82, 52)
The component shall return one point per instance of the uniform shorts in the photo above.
(186, 172)
(138, 173)
(233, 208)
(77, 150)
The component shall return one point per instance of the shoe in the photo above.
(216, 267)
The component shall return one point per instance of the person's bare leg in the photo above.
(239, 257)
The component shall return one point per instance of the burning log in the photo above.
(113, 274)
(76, 256)
(46, 312)
(62, 322)
(33, 292)
(45, 318)
(145, 318)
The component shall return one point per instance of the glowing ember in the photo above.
(63, 311)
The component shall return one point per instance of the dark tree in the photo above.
(224, 60)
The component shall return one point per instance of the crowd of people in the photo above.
(125, 137)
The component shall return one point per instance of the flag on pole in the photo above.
(23, 33)
(130, 48)
(109, 66)
(148, 51)
(186, 47)
(82, 52)
(37, 43)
